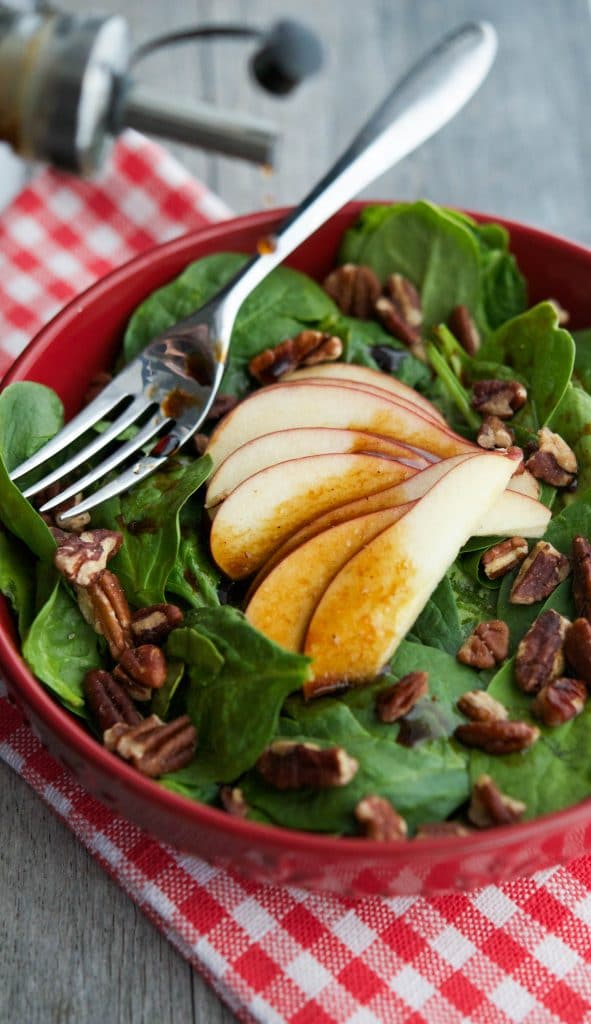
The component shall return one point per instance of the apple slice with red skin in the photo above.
(282, 445)
(282, 605)
(376, 597)
(307, 404)
(266, 508)
(399, 495)
(514, 515)
(364, 375)
(525, 483)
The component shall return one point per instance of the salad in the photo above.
(362, 604)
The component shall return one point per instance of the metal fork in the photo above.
(170, 387)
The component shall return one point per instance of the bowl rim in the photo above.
(71, 731)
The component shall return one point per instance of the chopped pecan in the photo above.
(494, 433)
(490, 807)
(560, 700)
(305, 349)
(290, 765)
(500, 398)
(504, 557)
(465, 330)
(540, 654)
(379, 820)
(222, 405)
(152, 624)
(232, 800)
(553, 462)
(141, 670)
(441, 829)
(539, 575)
(479, 706)
(354, 288)
(390, 318)
(396, 701)
(581, 559)
(486, 646)
(96, 384)
(497, 737)
(154, 747)
(104, 605)
(577, 648)
(405, 298)
(81, 558)
(108, 701)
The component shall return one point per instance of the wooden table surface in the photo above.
(74, 948)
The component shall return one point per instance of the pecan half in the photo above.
(379, 820)
(200, 443)
(391, 318)
(553, 462)
(306, 349)
(222, 405)
(577, 648)
(152, 624)
(539, 575)
(104, 606)
(581, 560)
(497, 737)
(486, 646)
(232, 800)
(81, 558)
(504, 557)
(290, 765)
(397, 700)
(141, 670)
(405, 299)
(540, 653)
(490, 807)
(500, 398)
(560, 700)
(479, 706)
(154, 747)
(354, 288)
(439, 829)
(494, 433)
(108, 701)
(465, 330)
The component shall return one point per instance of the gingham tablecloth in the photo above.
(519, 952)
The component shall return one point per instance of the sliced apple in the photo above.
(267, 507)
(308, 404)
(525, 483)
(365, 375)
(400, 495)
(281, 445)
(282, 605)
(514, 515)
(373, 601)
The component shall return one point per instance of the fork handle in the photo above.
(428, 96)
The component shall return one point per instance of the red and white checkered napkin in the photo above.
(519, 952)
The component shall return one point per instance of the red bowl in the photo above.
(82, 340)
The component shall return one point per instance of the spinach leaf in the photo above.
(162, 698)
(194, 782)
(450, 259)
(582, 370)
(16, 573)
(282, 305)
(438, 625)
(61, 647)
(235, 706)
(194, 575)
(148, 518)
(541, 353)
(555, 772)
(425, 783)
(572, 420)
(474, 602)
(194, 649)
(30, 414)
(519, 617)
